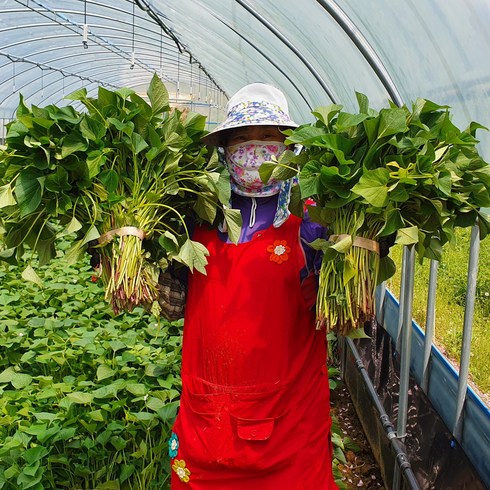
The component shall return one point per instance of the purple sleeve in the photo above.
(309, 232)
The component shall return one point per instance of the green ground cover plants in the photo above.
(87, 399)
(450, 304)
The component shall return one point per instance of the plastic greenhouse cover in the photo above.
(318, 52)
(429, 49)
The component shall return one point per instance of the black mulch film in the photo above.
(437, 461)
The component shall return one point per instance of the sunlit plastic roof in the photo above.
(318, 52)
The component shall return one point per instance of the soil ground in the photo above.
(361, 470)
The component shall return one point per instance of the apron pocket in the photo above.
(254, 430)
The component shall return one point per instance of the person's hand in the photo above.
(172, 296)
(94, 253)
(385, 243)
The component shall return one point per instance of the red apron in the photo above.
(254, 411)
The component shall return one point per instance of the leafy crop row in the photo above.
(86, 399)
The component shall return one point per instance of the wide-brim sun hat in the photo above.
(256, 104)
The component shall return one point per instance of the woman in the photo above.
(254, 410)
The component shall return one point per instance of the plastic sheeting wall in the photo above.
(316, 51)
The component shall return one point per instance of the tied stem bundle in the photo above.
(124, 269)
(126, 163)
(348, 276)
(408, 173)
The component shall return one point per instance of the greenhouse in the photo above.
(116, 137)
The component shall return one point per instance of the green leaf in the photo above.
(73, 226)
(309, 179)
(304, 135)
(35, 454)
(20, 380)
(325, 114)
(81, 398)
(158, 95)
(126, 471)
(320, 244)
(358, 333)
(387, 269)
(72, 143)
(79, 94)
(350, 270)
(169, 411)
(7, 196)
(124, 92)
(154, 403)
(392, 121)
(363, 103)
(104, 372)
(346, 121)
(109, 179)
(193, 254)
(233, 220)
(137, 389)
(169, 242)
(7, 375)
(95, 160)
(318, 214)
(372, 186)
(57, 181)
(343, 245)
(29, 274)
(138, 143)
(206, 207)
(265, 171)
(92, 129)
(407, 236)
(393, 222)
(296, 205)
(28, 191)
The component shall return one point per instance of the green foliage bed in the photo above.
(86, 399)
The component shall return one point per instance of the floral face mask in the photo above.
(244, 160)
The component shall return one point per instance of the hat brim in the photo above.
(217, 137)
(250, 113)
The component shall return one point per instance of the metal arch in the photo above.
(78, 75)
(57, 48)
(84, 74)
(152, 20)
(117, 52)
(291, 46)
(41, 66)
(143, 64)
(364, 47)
(271, 61)
(75, 27)
(109, 81)
(156, 15)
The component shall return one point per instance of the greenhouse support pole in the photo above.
(406, 350)
(380, 311)
(429, 323)
(402, 302)
(467, 331)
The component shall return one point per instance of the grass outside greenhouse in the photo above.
(450, 304)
